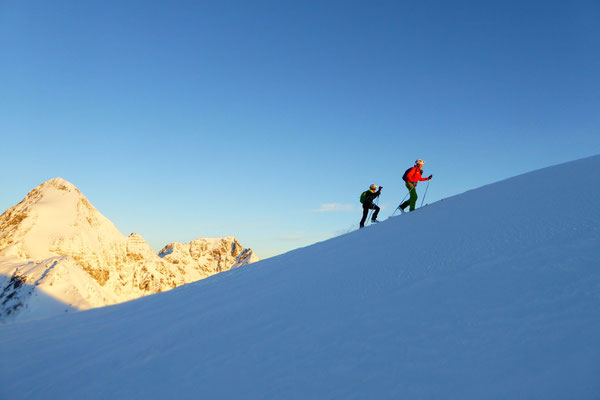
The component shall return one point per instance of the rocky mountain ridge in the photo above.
(59, 253)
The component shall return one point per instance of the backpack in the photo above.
(363, 196)
(404, 178)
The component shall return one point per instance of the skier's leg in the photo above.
(405, 204)
(412, 201)
(364, 217)
(376, 208)
(413, 198)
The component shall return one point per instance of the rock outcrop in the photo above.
(59, 253)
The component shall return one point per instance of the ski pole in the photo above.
(425, 194)
(402, 201)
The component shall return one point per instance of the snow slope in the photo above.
(494, 293)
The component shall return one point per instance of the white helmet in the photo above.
(419, 161)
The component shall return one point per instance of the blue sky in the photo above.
(265, 120)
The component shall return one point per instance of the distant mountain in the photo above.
(59, 253)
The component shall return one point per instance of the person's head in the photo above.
(419, 163)
(373, 187)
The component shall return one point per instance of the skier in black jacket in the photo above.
(366, 198)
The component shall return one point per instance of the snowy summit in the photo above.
(491, 294)
(59, 253)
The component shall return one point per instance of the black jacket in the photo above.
(370, 196)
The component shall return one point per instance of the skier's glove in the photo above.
(380, 187)
(430, 176)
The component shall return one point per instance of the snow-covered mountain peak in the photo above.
(52, 218)
(137, 245)
(60, 184)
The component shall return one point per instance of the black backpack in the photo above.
(404, 177)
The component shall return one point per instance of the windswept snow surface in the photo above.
(494, 293)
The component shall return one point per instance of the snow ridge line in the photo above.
(48, 269)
